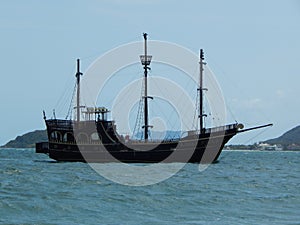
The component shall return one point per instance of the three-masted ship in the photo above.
(96, 139)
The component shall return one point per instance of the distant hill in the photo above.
(27, 140)
(290, 137)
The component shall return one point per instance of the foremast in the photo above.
(78, 74)
(146, 60)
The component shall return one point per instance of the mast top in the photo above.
(78, 73)
(145, 59)
(201, 54)
(145, 36)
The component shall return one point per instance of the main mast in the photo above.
(78, 74)
(201, 89)
(146, 60)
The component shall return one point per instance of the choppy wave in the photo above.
(243, 188)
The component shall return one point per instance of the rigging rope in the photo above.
(263, 131)
(139, 118)
(69, 114)
(195, 119)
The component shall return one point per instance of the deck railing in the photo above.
(60, 123)
(221, 128)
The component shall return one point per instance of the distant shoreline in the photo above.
(225, 149)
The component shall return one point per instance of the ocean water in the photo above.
(245, 187)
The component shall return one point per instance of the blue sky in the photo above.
(252, 46)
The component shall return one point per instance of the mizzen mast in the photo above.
(201, 89)
(146, 60)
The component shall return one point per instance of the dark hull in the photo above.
(204, 148)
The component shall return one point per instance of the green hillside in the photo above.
(290, 137)
(27, 140)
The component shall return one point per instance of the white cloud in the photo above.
(253, 103)
(136, 2)
(280, 94)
